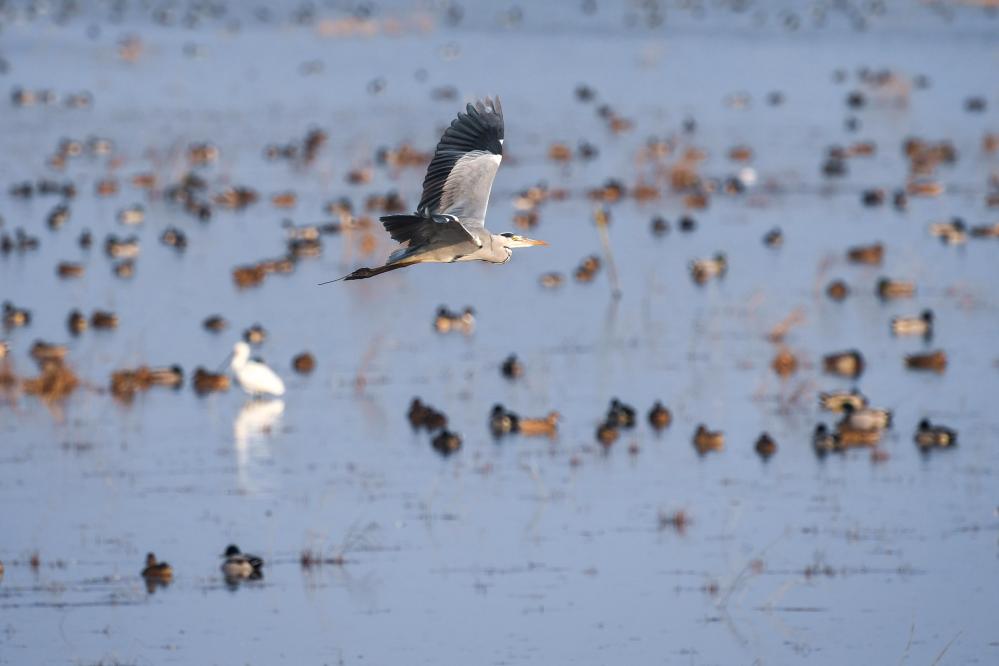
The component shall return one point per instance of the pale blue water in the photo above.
(524, 550)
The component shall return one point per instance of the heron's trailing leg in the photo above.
(363, 273)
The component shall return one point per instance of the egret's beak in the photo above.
(520, 241)
(531, 241)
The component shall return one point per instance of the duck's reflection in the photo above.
(252, 428)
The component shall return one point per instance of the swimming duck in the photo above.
(511, 367)
(660, 226)
(935, 361)
(215, 323)
(621, 415)
(953, 232)
(765, 446)
(280, 265)
(299, 248)
(446, 442)
(308, 232)
(236, 197)
(551, 280)
(862, 149)
(416, 413)
(921, 325)
(126, 383)
(284, 200)
(846, 364)
(76, 322)
(659, 416)
(865, 418)
(930, 436)
(446, 321)
(985, 231)
(587, 269)
(304, 363)
(706, 440)
(425, 416)
(834, 166)
(687, 224)
(785, 363)
(255, 335)
(837, 401)
(526, 219)
(174, 237)
(546, 426)
(209, 382)
(502, 422)
(58, 216)
(132, 215)
(124, 269)
(69, 269)
(103, 320)
(15, 317)
(873, 197)
(824, 441)
(774, 238)
(44, 352)
(889, 289)
(202, 153)
(172, 376)
(607, 434)
(241, 566)
(434, 420)
(703, 270)
(248, 276)
(467, 319)
(925, 187)
(866, 254)
(848, 436)
(160, 572)
(121, 248)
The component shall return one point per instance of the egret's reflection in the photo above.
(256, 420)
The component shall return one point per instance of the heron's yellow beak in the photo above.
(515, 240)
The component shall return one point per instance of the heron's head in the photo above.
(513, 240)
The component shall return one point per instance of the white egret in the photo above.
(255, 377)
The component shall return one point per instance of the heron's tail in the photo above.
(364, 273)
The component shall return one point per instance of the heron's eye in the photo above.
(508, 235)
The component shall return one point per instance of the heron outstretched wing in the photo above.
(420, 231)
(461, 173)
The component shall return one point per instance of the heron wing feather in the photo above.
(466, 191)
(478, 130)
(419, 231)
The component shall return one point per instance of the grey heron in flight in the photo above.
(449, 223)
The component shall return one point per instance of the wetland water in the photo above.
(524, 549)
